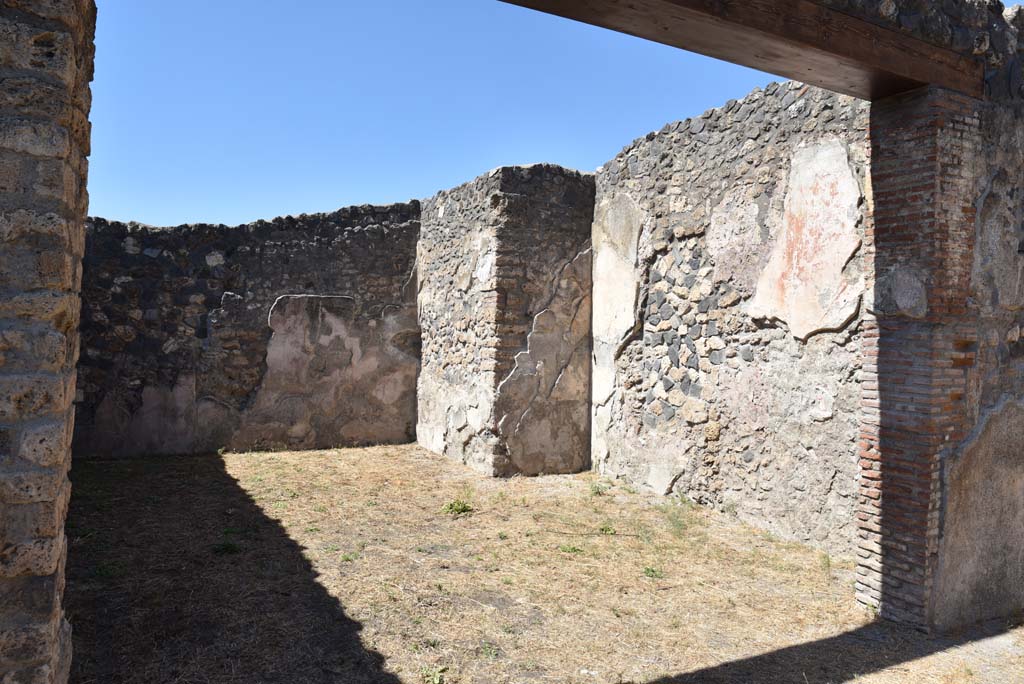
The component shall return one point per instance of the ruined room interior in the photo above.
(800, 310)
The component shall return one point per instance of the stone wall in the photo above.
(504, 301)
(982, 29)
(294, 333)
(729, 280)
(980, 550)
(46, 61)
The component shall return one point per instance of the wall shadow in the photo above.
(176, 575)
(841, 658)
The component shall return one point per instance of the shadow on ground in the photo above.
(842, 658)
(175, 575)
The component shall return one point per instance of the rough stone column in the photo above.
(504, 308)
(46, 56)
(919, 345)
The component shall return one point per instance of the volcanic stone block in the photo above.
(504, 305)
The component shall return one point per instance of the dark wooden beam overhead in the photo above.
(797, 39)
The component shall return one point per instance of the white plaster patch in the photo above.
(807, 282)
(484, 268)
(616, 234)
(618, 222)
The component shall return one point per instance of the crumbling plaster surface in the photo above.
(295, 333)
(980, 557)
(539, 402)
(504, 305)
(544, 266)
(981, 564)
(458, 319)
(331, 377)
(808, 281)
(618, 224)
(729, 281)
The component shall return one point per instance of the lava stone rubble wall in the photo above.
(729, 283)
(504, 305)
(294, 333)
(982, 29)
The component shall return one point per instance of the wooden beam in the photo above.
(797, 39)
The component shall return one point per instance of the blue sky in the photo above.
(226, 111)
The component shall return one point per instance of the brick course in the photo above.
(919, 342)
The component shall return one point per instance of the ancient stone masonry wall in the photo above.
(293, 333)
(984, 29)
(941, 503)
(457, 294)
(504, 303)
(729, 279)
(46, 61)
(979, 571)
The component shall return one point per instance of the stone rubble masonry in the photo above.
(46, 62)
(294, 333)
(983, 29)
(818, 332)
(728, 287)
(504, 306)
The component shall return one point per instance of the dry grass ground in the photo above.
(391, 565)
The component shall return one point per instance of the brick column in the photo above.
(919, 341)
(46, 54)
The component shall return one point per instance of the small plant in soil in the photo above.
(675, 519)
(826, 565)
(433, 674)
(457, 507)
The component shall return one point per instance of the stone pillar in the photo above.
(504, 308)
(919, 344)
(46, 56)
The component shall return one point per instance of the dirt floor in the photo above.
(392, 565)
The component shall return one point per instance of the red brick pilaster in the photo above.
(918, 343)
